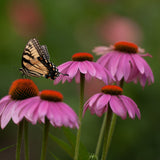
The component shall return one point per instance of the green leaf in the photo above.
(71, 137)
(54, 156)
(66, 147)
(5, 148)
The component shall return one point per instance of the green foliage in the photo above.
(69, 147)
(5, 148)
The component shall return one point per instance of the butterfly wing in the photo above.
(45, 52)
(32, 59)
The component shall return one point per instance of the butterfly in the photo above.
(36, 61)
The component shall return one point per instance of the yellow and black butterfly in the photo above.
(36, 62)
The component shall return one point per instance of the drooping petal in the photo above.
(119, 74)
(100, 50)
(63, 66)
(69, 118)
(118, 107)
(7, 114)
(105, 59)
(42, 109)
(114, 68)
(94, 98)
(30, 113)
(91, 68)
(72, 70)
(139, 63)
(77, 77)
(15, 115)
(83, 68)
(102, 101)
(54, 114)
(130, 106)
(6, 98)
(125, 66)
(3, 103)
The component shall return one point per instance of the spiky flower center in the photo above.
(82, 57)
(126, 47)
(51, 95)
(22, 89)
(112, 89)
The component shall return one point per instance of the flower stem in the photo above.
(19, 140)
(101, 135)
(82, 81)
(121, 83)
(26, 140)
(45, 139)
(110, 125)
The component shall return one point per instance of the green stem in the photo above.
(121, 83)
(26, 140)
(110, 125)
(101, 135)
(82, 82)
(19, 140)
(45, 139)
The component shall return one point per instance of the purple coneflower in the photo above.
(111, 97)
(20, 90)
(48, 105)
(82, 68)
(124, 61)
(82, 64)
(111, 102)
(48, 108)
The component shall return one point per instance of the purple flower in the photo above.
(20, 90)
(82, 63)
(124, 61)
(112, 97)
(48, 105)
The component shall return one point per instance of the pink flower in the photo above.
(48, 105)
(124, 61)
(82, 63)
(114, 28)
(20, 89)
(112, 97)
(26, 17)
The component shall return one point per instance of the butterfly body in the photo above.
(36, 63)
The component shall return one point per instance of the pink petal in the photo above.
(114, 68)
(118, 107)
(100, 50)
(139, 62)
(90, 68)
(43, 109)
(125, 60)
(119, 74)
(77, 77)
(83, 67)
(63, 66)
(105, 59)
(94, 98)
(54, 114)
(7, 114)
(3, 104)
(130, 106)
(102, 111)
(73, 69)
(102, 101)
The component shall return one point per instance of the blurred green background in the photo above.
(70, 26)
